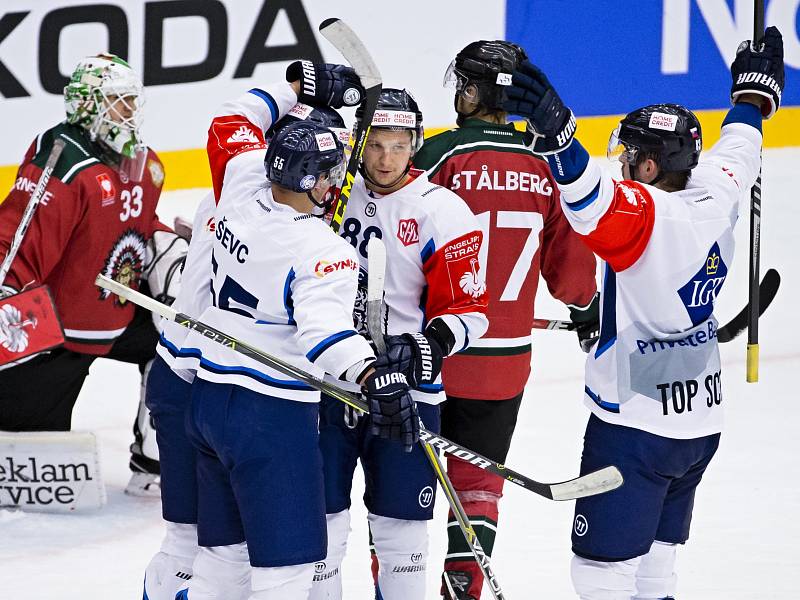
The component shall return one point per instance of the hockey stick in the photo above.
(767, 291)
(376, 275)
(33, 204)
(755, 235)
(347, 43)
(597, 482)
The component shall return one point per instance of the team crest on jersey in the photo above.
(408, 231)
(700, 292)
(125, 262)
(107, 191)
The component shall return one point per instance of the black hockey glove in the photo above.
(587, 319)
(533, 97)
(393, 413)
(416, 355)
(323, 83)
(760, 71)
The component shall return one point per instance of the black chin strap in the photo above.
(373, 183)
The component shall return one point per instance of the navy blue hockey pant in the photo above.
(168, 397)
(259, 474)
(399, 484)
(655, 502)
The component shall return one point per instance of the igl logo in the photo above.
(700, 292)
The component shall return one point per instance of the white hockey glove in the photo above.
(166, 253)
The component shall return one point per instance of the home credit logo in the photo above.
(408, 231)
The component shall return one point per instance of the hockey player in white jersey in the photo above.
(168, 393)
(435, 302)
(653, 379)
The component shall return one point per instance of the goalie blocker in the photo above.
(54, 472)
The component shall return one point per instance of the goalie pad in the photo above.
(165, 255)
(29, 324)
(56, 472)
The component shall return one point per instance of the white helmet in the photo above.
(105, 97)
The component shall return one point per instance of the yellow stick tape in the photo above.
(752, 363)
(189, 168)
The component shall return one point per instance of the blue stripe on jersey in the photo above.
(608, 323)
(586, 200)
(609, 406)
(744, 113)
(428, 251)
(569, 164)
(329, 341)
(178, 352)
(263, 378)
(431, 388)
(288, 303)
(466, 333)
(269, 100)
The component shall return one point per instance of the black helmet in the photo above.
(488, 65)
(397, 110)
(301, 153)
(321, 115)
(669, 131)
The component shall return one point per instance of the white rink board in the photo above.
(406, 39)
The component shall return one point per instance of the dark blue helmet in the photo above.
(303, 152)
(321, 115)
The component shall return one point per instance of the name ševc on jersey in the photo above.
(504, 180)
(230, 242)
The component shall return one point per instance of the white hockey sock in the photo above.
(327, 573)
(171, 567)
(595, 580)
(656, 576)
(281, 583)
(221, 573)
(402, 550)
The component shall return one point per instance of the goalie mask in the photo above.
(104, 96)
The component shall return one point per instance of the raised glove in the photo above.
(587, 320)
(393, 413)
(325, 84)
(533, 97)
(416, 355)
(760, 71)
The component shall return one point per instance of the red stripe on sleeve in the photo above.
(228, 137)
(452, 274)
(622, 234)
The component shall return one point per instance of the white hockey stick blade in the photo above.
(591, 484)
(338, 33)
(376, 278)
(136, 297)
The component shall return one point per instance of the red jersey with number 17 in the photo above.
(515, 198)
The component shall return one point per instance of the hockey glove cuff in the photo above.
(393, 413)
(587, 321)
(416, 355)
(327, 84)
(550, 123)
(760, 71)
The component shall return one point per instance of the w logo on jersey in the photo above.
(243, 135)
(700, 292)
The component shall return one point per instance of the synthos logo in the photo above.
(700, 292)
(324, 267)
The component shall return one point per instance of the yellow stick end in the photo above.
(752, 363)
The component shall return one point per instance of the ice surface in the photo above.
(745, 526)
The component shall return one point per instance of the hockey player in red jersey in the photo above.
(653, 379)
(512, 192)
(97, 216)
